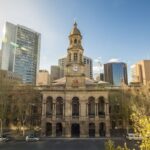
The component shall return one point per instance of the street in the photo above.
(64, 144)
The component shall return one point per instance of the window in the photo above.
(75, 106)
(75, 41)
(69, 57)
(80, 57)
(75, 57)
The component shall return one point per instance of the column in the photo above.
(67, 129)
(53, 129)
(43, 119)
(54, 111)
(96, 129)
(84, 129)
(107, 121)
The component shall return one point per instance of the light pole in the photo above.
(1, 126)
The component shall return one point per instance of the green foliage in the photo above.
(141, 115)
(109, 145)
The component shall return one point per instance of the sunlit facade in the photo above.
(21, 52)
(75, 106)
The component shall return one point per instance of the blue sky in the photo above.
(111, 29)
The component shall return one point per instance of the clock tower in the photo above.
(75, 74)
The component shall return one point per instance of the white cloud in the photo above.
(114, 60)
(132, 66)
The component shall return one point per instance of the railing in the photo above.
(101, 114)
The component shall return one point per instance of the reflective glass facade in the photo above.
(22, 52)
(115, 73)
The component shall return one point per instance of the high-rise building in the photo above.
(115, 73)
(55, 73)
(42, 78)
(88, 66)
(62, 65)
(141, 72)
(21, 52)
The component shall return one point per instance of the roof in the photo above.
(75, 30)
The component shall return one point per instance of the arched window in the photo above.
(91, 106)
(69, 57)
(101, 106)
(75, 41)
(75, 106)
(49, 106)
(59, 107)
(75, 57)
(80, 57)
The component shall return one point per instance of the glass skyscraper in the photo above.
(115, 73)
(21, 52)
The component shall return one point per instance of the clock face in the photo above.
(75, 68)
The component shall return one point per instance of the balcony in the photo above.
(101, 114)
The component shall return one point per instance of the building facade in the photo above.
(9, 77)
(43, 78)
(141, 72)
(115, 73)
(21, 52)
(75, 106)
(55, 73)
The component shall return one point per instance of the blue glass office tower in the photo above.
(115, 73)
(21, 52)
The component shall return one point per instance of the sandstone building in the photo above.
(75, 106)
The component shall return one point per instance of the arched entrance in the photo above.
(75, 130)
(91, 130)
(48, 129)
(102, 129)
(58, 129)
(101, 107)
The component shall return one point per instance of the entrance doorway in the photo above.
(75, 130)
(48, 129)
(58, 129)
(91, 130)
(102, 129)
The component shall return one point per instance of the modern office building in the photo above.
(141, 72)
(43, 78)
(21, 52)
(115, 73)
(88, 66)
(62, 65)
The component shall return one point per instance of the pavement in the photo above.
(65, 144)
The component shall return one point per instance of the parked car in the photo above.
(133, 136)
(32, 138)
(3, 138)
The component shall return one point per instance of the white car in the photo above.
(32, 138)
(3, 138)
(133, 136)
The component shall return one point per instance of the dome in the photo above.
(75, 30)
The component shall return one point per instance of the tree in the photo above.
(109, 145)
(6, 86)
(141, 114)
(24, 99)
